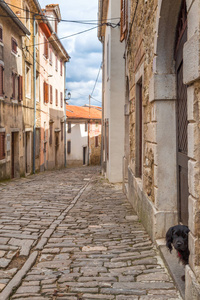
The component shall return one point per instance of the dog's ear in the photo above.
(169, 238)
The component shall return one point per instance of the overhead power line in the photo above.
(96, 80)
(87, 22)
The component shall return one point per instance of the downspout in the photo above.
(65, 121)
(34, 92)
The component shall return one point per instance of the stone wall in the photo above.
(140, 55)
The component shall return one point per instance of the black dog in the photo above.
(178, 237)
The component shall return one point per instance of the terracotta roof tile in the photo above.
(80, 112)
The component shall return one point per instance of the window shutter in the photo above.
(68, 147)
(61, 67)
(1, 80)
(20, 88)
(124, 19)
(51, 94)
(61, 99)
(14, 45)
(13, 85)
(47, 93)
(1, 34)
(2, 145)
(56, 97)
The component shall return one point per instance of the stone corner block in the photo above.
(192, 286)
(191, 60)
(162, 87)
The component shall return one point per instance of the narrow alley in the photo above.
(69, 234)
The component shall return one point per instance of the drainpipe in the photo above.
(34, 92)
(65, 125)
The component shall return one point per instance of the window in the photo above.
(28, 82)
(61, 68)
(51, 133)
(139, 132)
(37, 142)
(46, 92)
(68, 147)
(56, 62)
(85, 126)
(61, 99)
(1, 34)
(51, 94)
(1, 80)
(69, 129)
(62, 131)
(56, 97)
(50, 54)
(37, 86)
(13, 85)
(2, 145)
(96, 141)
(20, 88)
(14, 45)
(46, 46)
(124, 19)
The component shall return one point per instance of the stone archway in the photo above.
(162, 93)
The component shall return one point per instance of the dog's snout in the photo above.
(179, 243)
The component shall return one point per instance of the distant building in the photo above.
(83, 135)
(50, 105)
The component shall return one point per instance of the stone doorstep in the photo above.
(176, 269)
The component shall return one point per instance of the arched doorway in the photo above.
(181, 115)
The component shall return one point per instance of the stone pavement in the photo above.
(71, 235)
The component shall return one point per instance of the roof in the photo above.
(13, 16)
(80, 112)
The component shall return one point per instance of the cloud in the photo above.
(84, 49)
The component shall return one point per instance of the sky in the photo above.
(84, 49)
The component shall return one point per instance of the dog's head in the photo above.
(178, 237)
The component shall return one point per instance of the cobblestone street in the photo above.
(71, 235)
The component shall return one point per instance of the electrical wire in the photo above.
(65, 37)
(63, 20)
(96, 80)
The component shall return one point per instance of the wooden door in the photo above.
(182, 123)
(13, 156)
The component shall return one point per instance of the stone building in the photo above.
(34, 107)
(113, 90)
(161, 118)
(162, 73)
(12, 138)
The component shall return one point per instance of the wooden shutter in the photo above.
(14, 45)
(2, 145)
(51, 133)
(1, 80)
(1, 34)
(61, 67)
(51, 94)
(56, 97)
(46, 92)
(124, 19)
(13, 85)
(20, 88)
(61, 99)
(68, 147)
